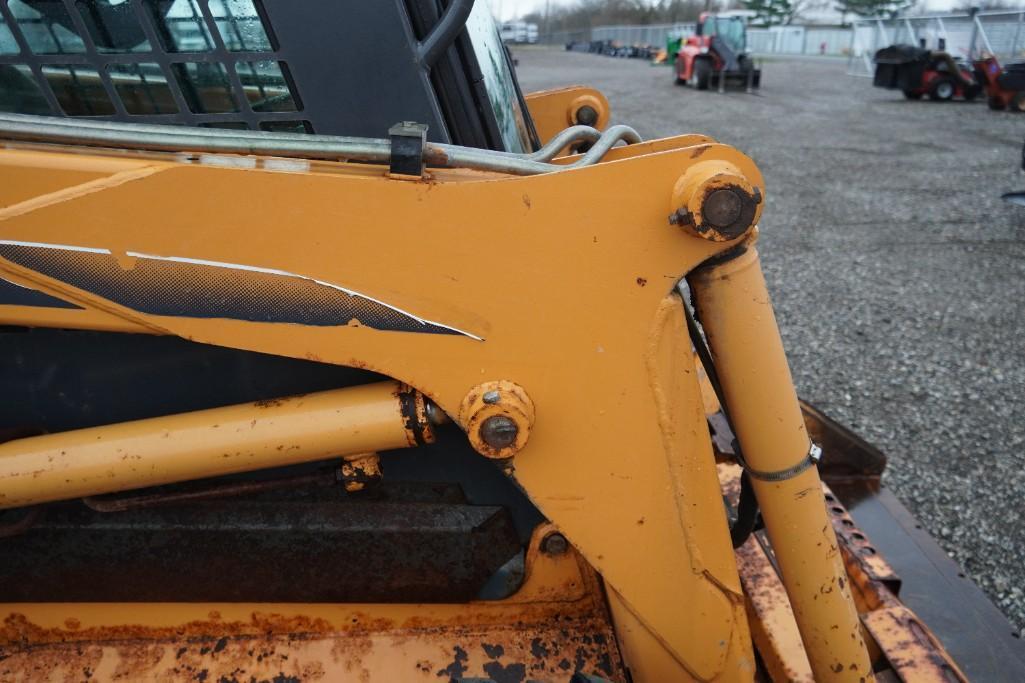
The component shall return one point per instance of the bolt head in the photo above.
(722, 208)
(491, 397)
(498, 431)
(587, 116)
(554, 544)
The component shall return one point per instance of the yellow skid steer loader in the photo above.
(328, 355)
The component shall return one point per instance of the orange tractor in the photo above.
(717, 49)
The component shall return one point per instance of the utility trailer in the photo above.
(328, 362)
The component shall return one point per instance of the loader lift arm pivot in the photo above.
(647, 332)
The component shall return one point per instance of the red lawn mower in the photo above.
(917, 72)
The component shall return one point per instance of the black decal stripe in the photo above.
(175, 288)
(13, 295)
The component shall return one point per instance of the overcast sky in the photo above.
(510, 9)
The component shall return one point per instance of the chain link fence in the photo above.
(796, 40)
(999, 33)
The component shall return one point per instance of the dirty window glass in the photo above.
(205, 87)
(113, 25)
(731, 31)
(142, 88)
(78, 89)
(19, 93)
(47, 27)
(8, 46)
(498, 79)
(240, 25)
(181, 26)
(267, 86)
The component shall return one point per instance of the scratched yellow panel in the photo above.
(37, 174)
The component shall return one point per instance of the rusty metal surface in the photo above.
(902, 646)
(910, 648)
(510, 654)
(360, 472)
(497, 400)
(773, 626)
(715, 203)
(971, 628)
(554, 626)
(893, 552)
(906, 644)
(281, 550)
(866, 557)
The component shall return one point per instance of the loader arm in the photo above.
(487, 322)
(487, 307)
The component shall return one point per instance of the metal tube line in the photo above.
(211, 443)
(563, 138)
(582, 134)
(152, 137)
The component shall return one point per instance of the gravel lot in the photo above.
(897, 273)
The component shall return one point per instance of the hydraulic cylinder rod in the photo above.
(734, 309)
(210, 443)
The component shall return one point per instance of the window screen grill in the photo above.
(212, 63)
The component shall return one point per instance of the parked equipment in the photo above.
(918, 72)
(519, 32)
(406, 402)
(613, 48)
(717, 50)
(1016, 197)
(1005, 85)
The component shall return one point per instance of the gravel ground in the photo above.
(897, 273)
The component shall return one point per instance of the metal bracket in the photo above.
(407, 149)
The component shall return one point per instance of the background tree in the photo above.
(966, 5)
(776, 12)
(768, 12)
(584, 14)
(873, 8)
